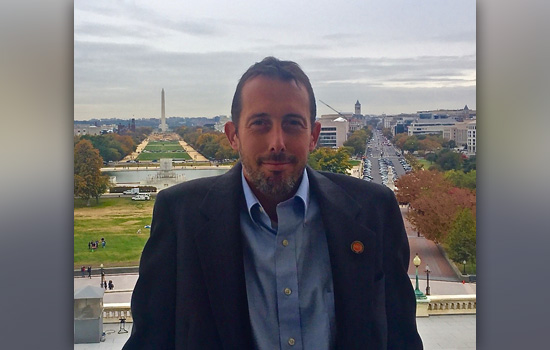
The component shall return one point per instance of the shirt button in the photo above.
(285, 242)
(288, 292)
(291, 341)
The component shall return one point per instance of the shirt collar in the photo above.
(252, 200)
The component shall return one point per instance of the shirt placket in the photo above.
(288, 304)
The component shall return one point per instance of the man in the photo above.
(272, 254)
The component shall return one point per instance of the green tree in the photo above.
(448, 160)
(461, 179)
(358, 140)
(469, 164)
(88, 180)
(462, 237)
(328, 159)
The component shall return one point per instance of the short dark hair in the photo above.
(273, 68)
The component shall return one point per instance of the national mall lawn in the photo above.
(117, 219)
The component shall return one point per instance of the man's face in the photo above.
(274, 135)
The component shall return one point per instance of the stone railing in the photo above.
(446, 305)
(434, 305)
(112, 312)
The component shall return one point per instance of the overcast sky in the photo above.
(394, 56)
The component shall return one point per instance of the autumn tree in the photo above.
(88, 180)
(461, 240)
(414, 184)
(328, 159)
(433, 213)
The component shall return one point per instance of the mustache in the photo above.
(278, 157)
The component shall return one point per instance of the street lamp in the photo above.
(464, 263)
(417, 292)
(102, 274)
(427, 280)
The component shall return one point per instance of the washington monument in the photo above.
(163, 127)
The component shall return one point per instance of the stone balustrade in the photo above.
(434, 305)
(452, 304)
(112, 312)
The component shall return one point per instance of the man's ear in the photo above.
(316, 130)
(231, 133)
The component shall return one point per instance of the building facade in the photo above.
(334, 131)
(471, 143)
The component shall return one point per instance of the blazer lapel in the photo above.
(353, 272)
(221, 252)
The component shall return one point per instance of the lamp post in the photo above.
(102, 274)
(464, 263)
(427, 280)
(417, 292)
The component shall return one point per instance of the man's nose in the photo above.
(276, 139)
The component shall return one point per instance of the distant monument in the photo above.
(390, 182)
(163, 127)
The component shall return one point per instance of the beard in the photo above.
(273, 185)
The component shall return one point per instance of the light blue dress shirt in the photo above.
(288, 274)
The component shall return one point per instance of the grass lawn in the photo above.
(158, 155)
(117, 220)
(355, 162)
(425, 163)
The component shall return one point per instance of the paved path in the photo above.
(196, 156)
(429, 255)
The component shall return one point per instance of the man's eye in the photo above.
(259, 122)
(295, 123)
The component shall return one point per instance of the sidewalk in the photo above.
(437, 332)
(125, 283)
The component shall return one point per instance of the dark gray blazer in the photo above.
(191, 291)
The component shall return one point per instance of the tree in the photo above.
(358, 140)
(448, 160)
(434, 211)
(462, 237)
(461, 179)
(328, 159)
(469, 164)
(412, 185)
(88, 180)
(387, 132)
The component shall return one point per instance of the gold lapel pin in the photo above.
(357, 247)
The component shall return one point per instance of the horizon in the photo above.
(393, 56)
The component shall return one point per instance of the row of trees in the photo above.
(210, 143)
(358, 140)
(442, 208)
(114, 147)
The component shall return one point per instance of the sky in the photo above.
(394, 56)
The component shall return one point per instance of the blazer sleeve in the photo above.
(153, 300)
(400, 298)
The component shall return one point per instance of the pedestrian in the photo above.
(105, 284)
(83, 270)
(102, 275)
(89, 245)
(103, 242)
(111, 285)
(89, 271)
